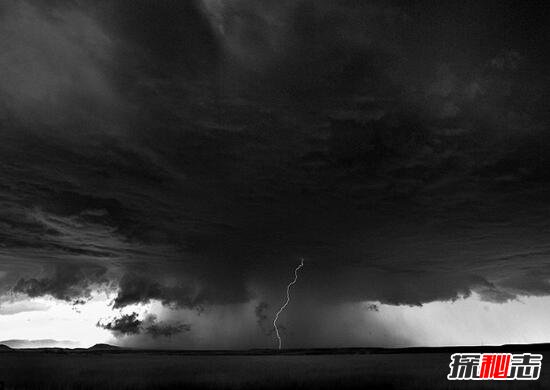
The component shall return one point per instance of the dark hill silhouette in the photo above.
(104, 347)
(5, 348)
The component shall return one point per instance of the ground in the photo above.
(164, 370)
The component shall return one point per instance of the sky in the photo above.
(165, 166)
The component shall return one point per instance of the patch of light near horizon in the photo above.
(49, 318)
(468, 321)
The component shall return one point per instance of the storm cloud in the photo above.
(129, 324)
(124, 325)
(188, 152)
(67, 282)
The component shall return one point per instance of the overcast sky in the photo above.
(165, 165)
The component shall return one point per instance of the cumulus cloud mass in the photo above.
(172, 160)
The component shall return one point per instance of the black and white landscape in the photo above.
(166, 166)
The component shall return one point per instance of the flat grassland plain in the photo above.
(358, 369)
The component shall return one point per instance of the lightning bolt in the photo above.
(286, 303)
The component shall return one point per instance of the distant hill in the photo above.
(104, 347)
(43, 343)
(5, 348)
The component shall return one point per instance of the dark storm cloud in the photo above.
(129, 324)
(194, 150)
(67, 282)
(134, 288)
(53, 63)
(174, 32)
(372, 307)
(304, 49)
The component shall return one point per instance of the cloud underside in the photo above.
(191, 158)
(129, 324)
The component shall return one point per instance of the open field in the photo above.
(163, 370)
